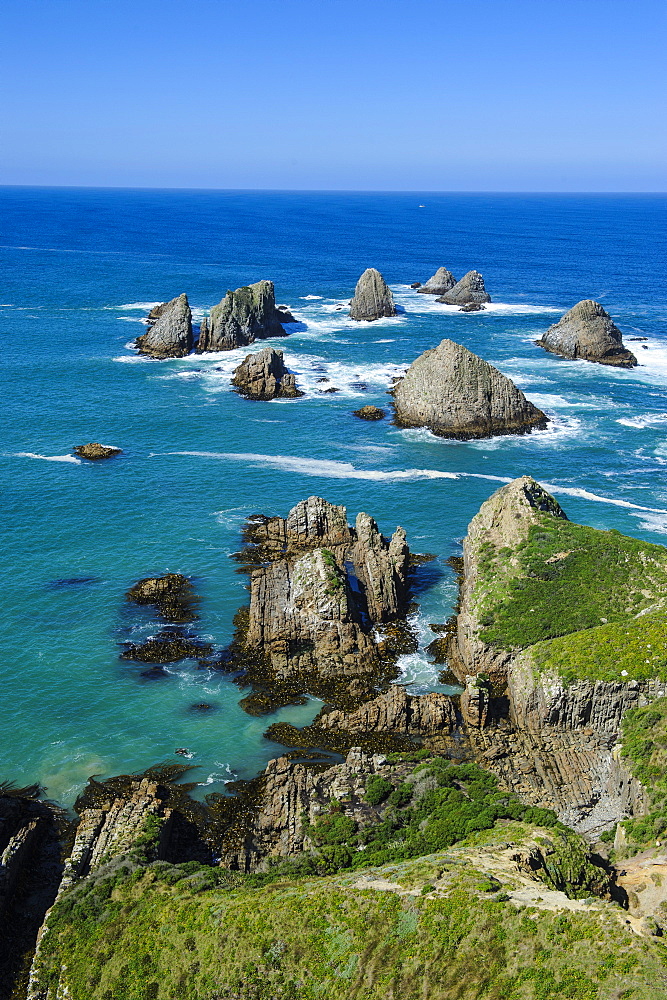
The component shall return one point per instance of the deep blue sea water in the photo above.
(80, 270)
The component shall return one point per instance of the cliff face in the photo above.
(457, 394)
(372, 297)
(587, 331)
(243, 316)
(314, 602)
(170, 333)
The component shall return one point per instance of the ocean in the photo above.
(81, 268)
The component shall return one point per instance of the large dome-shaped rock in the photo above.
(459, 395)
(587, 331)
(372, 297)
(469, 289)
(441, 282)
(170, 335)
(243, 316)
(263, 376)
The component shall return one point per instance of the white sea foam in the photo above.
(311, 297)
(644, 420)
(71, 459)
(418, 302)
(329, 469)
(560, 428)
(128, 306)
(224, 776)
(130, 319)
(653, 522)
(547, 400)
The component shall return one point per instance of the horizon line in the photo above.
(295, 190)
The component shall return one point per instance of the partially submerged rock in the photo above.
(587, 331)
(372, 297)
(369, 413)
(95, 451)
(472, 307)
(170, 336)
(469, 289)
(264, 376)
(457, 394)
(441, 283)
(172, 594)
(242, 317)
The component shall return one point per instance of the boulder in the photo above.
(469, 289)
(372, 297)
(95, 451)
(172, 594)
(587, 331)
(472, 307)
(263, 376)
(441, 283)
(369, 413)
(244, 316)
(459, 395)
(170, 335)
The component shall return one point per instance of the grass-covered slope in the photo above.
(466, 924)
(644, 741)
(572, 595)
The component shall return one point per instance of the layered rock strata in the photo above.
(372, 297)
(441, 283)
(469, 289)
(459, 395)
(587, 331)
(264, 376)
(242, 317)
(170, 335)
(395, 711)
(316, 600)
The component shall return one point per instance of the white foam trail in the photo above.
(328, 469)
(419, 302)
(311, 297)
(72, 459)
(128, 306)
(644, 420)
(653, 522)
(324, 468)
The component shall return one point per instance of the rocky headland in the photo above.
(587, 331)
(441, 283)
(242, 317)
(470, 289)
(169, 333)
(372, 297)
(264, 376)
(457, 394)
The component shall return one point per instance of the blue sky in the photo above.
(495, 95)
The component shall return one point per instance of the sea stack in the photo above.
(242, 317)
(372, 297)
(169, 334)
(459, 395)
(587, 331)
(263, 376)
(441, 282)
(469, 289)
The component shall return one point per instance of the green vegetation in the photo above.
(644, 735)
(450, 935)
(572, 593)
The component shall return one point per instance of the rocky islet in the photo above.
(372, 298)
(263, 376)
(587, 331)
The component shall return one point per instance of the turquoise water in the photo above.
(80, 269)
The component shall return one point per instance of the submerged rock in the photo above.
(472, 307)
(242, 317)
(457, 394)
(469, 289)
(372, 297)
(170, 336)
(369, 413)
(263, 376)
(95, 451)
(587, 331)
(441, 282)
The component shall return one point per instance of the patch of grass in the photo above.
(328, 938)
(644, 737)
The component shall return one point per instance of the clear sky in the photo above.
(495, 95)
